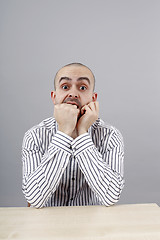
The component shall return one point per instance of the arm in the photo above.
(42, 173)
(103, 171)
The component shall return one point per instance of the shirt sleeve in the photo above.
(42, 172)
(103, 170)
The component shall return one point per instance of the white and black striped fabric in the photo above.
(61, 171)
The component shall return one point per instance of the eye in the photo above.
(65, 87)
(83, 88)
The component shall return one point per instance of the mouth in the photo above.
(73, 103)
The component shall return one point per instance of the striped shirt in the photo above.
(61, 171)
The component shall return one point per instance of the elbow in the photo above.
(111, 198)
(35, 200)
(110, 202)
(38, 204)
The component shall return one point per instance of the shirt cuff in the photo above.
(61, 141)
(81, 143)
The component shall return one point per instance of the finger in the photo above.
(78, 111)
(91, 105)
(94, 107)
(97, 106)
(70, 105)
(85, 108)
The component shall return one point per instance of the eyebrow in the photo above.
(79, 79)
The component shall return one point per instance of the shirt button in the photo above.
(73, 178)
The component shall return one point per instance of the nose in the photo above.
(73, 93)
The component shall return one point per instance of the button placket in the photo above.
(72, 178)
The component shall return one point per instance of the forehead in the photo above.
(75, 72)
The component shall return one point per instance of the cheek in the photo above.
(86, 99)
(60, 97)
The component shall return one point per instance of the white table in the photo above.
(124, 222)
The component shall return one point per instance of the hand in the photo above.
(66, 117)
(89, 116)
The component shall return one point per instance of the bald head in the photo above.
(73, 66)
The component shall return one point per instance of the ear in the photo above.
(94, 97)
(53, 96)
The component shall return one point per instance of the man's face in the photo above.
(74, 85)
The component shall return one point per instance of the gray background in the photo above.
(120, 42)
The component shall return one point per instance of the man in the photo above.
(73, 158)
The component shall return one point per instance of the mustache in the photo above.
(74, 100)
